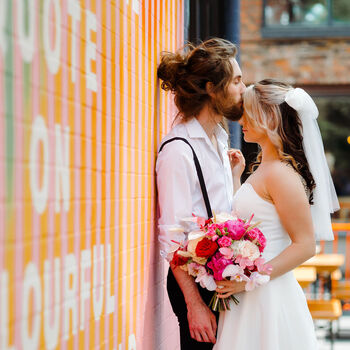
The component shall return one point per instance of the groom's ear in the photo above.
(209, 87)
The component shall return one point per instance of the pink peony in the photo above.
(256, 235)
(262, 242)
(217, 264)
(253, 234)
(224, 241)
(235, 229)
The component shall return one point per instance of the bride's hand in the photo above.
(237, 162)
(227, 288)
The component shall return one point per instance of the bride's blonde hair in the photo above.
(266, 109)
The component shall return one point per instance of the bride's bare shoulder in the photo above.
(281, 174)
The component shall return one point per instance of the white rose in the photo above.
(237, 247)
(222, 217)
(247, 249)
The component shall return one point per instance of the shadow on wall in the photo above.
(153, 322)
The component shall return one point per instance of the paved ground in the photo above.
(341, 343)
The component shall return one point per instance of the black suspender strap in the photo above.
(199, 173)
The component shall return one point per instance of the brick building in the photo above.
(307, 44)
(292, 54)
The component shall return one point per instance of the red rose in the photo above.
(206, 248)
(179, 260)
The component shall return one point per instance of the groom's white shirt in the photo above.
(179, 192)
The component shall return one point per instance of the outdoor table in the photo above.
(305, 275)
(325, 264)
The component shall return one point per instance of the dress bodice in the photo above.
(247, 202)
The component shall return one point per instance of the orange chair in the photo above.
(341, 290)
(330, 310)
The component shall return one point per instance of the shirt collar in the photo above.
(221, 134)
(195, 130)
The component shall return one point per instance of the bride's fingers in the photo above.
(226, 295)
(229, 286)
(236, 158)
(235, 155)
(227, 289)
(236, 152)
(223, 290)
(231, 150)
(225, 283)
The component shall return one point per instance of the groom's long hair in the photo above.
(265, 107)
(186, 73)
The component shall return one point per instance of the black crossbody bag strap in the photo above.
(199, 173)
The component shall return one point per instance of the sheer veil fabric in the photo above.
(325, 197)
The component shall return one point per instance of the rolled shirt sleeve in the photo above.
(176, 179)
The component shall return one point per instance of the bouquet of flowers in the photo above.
(225, 247)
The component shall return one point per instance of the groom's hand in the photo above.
(202, 322)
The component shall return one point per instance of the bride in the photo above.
(291, 194)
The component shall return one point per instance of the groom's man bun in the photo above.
(186, 73)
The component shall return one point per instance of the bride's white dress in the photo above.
(274, 316)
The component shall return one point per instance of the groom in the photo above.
(207, 85)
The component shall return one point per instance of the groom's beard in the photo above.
(234, 113)
(231, 111)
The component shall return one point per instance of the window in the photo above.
(306, 18)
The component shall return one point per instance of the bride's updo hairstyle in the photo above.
(266, 109)
(186, 72)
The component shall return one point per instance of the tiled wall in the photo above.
(81, 115)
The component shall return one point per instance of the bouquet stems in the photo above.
(219, 304)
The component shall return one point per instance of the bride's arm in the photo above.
(287, 192)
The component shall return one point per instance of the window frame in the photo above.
(304, 31)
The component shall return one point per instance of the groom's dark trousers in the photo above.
(178, 304)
